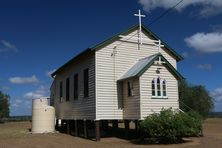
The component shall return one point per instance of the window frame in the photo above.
(86, 82)
(153, 87)
(67, 89)
(158, 88)
(164, 90)
(76, 86)
(60, 92)
(159, 95)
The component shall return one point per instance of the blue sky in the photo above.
(38, 36)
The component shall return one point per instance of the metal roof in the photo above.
(116, 37)
(139, 66)
(143, 64)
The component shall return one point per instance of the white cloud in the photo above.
(205, 42)
(16, 102)
(24, 80)
(18, 106)
(33, 95)
(40, 92)
(217, 94)
(6, 46)
(204, 66)
(48, 73)
(211, 11)
(207, 7)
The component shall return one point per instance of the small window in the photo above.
(76, 87)
(153, 88)
(60, 91)
(86, 82)
(158, 87)
(67, 89)
(130, 88)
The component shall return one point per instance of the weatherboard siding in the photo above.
(148, 50)
(110, 68)
(131, 104)
(151, 105)
(105, 101)
(83, 108)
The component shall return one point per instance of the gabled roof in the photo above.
(143, 64)
(145, 30)
(137, 68)
(116, 37)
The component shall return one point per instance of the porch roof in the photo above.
(143, 64)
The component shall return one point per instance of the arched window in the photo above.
(153, 88)
(164, 88)
(158, 87)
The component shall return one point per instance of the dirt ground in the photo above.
(15, 134)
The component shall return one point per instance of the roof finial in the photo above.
(140, 25)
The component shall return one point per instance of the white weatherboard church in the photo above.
(125, 77)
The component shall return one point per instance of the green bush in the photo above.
(171, 127)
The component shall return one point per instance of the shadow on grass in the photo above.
(135, 138)
(153, 141)
(121, 133)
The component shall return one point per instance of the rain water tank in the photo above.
(43, 116)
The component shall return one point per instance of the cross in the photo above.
(140, 24)
(159, 45)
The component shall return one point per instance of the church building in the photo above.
(124, 78)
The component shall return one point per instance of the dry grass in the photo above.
(14, 130)
(16, 134)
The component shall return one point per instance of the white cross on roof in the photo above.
(140, 24)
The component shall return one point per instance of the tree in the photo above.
(195, 98)
(4, 105)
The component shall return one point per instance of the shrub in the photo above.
(170, 127)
